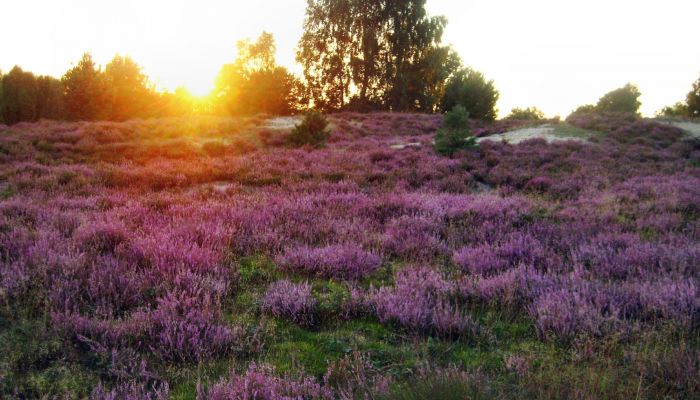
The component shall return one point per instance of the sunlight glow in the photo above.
(547, 53)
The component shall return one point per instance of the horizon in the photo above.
(184, 44)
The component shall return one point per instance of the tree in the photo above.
(254, 83)
(530, 113)
(2, 118)
(680, 109)
(19, 96)
(366, 55)
(584, 109)
(128, 94)
(50, 104)
(454, 134)
(471, 90)
(624, 99)
(693, 100)
(85, 91)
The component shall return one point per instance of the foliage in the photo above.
(313, 130)
(680, 109)
(584, 109)
(25, 97)
(19, 96)
(469, 89)
(86, 94)
(530, 114)
(454, 134)
(624, 99)
(129, 94)
(390, 52)
(255, 83)
(693, 100)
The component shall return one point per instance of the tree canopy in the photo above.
(624, 99)
(693, 100)
(384, 54)
(472, 91)
(255, 83)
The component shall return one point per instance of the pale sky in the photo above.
(553, 54)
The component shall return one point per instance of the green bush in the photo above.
(529, 114)
(454, 134)
(680, 109)
(624, 99)
(313, 131)
(470, 89)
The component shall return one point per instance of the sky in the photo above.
(552, 54)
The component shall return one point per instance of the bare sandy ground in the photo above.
(545, 132)
(282, 123)
(693, 128)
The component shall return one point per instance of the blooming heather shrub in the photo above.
(291, 301)
(518, 248)
(564, 313)
(187, 330)
(515, 287)
(131, 391)
(539, 184)
(678, 301)
(414, 238)
(260, 382)
(100, 237)
(418, 301)
(337, 261)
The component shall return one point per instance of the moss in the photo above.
(35, 364)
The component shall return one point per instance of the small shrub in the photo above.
(528, 114)
(337, 261)
(291, 301)
(313, 131)
(455, 134)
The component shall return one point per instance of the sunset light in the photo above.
(349, 199)
(549, 53)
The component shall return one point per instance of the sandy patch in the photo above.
(545, 132)
(221, 187)
(402, 146)
(693, 128)
(282, 123)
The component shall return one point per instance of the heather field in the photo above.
(201, 258)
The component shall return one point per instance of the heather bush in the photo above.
(413, 238)
(565, 313)
(419, 301)
(336, 261)
(127, 237)
(295, 302)
(260, 382)
(313, 131)
(529, 114)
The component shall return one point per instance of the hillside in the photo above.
(191, 256)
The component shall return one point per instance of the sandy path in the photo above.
(545, 132)
(282, 123)
(693, 128)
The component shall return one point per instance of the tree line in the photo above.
(357, 55)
